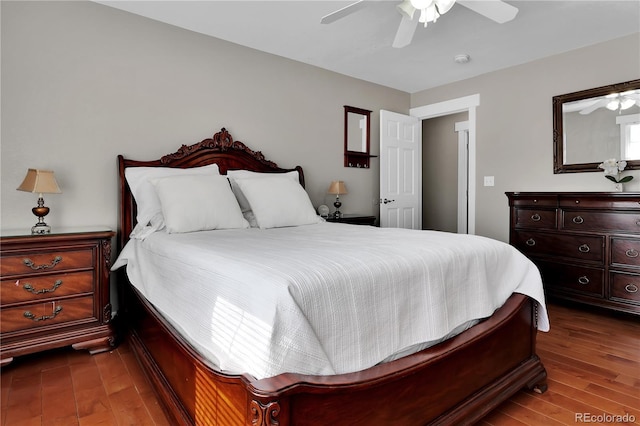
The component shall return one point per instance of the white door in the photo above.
(400, 171)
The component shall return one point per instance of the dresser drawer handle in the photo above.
(584, 248)
(35, 267)
(631, 288)
(32, 317)
(535, 217)
(530, 242)
(28, 287)
(631, 253)
(578, 220)
(583, 280)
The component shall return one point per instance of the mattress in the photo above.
(326, 298)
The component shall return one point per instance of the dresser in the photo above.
(54, 291)
(586, 244)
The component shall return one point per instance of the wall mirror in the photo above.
(594, 125)
(357, 126)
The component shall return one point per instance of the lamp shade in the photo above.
(40, 181)
(337, 187)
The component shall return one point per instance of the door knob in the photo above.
(386, 201)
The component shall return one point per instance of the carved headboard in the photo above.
(220, 149)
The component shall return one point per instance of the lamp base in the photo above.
(40, 211)
(40, 228)
(337, 204)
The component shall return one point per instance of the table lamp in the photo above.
(41, 182)
(337, 187)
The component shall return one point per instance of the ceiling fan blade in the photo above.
(341, 13)
(598, 104)
(405, 32)
(495, 10)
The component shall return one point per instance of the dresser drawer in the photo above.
(34, 263)
(43, 314)
(614, 201)
(535, 201)
(581, 220)
(535, 218)
(45, 286)
(561, 277)
(625, 252)
(625, 287)
(579, 247)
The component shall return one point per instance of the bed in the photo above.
(453, 380)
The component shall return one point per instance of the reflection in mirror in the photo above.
(357, 127)
(597, 124)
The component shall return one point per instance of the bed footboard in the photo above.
(456, 382)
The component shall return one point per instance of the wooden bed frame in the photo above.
(456, 382)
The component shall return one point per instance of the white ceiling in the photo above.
(359, 45)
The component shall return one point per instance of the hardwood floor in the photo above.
(592, 359)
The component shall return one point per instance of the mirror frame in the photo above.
(358, 159)
(558, 148)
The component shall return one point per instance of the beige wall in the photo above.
(82, 83)
(514, 123)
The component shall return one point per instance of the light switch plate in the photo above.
(488, 181)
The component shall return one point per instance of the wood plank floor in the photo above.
(592, 359)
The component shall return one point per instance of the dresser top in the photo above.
(55, 231)
(576, 194)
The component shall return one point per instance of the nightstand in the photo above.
(354, 219)
(54, 291)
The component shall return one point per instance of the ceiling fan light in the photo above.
(421, 4)
(613, 105)
(627, 103)
(430, 14)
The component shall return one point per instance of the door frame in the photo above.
(453, 106)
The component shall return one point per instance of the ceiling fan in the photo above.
(430, 11)
(613, 102)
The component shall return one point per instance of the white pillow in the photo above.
(234, 175)
(278, 202)
(198, 203)
(139, 180)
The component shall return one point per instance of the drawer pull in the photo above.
(28, 287)
(32, 317)
(530, 242)
(631, 288)
(578, 220)
(583, 280)
(633, 253)
(535, 217)
(584, 248)
(35, 267)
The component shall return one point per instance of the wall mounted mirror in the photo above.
(357, 126)
(594, 125)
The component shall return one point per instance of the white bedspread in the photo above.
(326, 298)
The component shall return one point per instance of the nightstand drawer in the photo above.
(625, 286)
(46, 313)
(46, 286)
(625, 252)
(36, 263)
